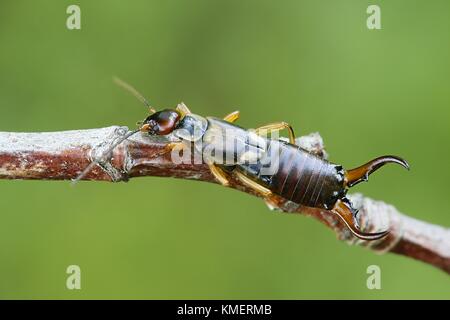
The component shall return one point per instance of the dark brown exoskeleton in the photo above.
(266, 165)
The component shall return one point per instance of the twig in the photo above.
(63, 155)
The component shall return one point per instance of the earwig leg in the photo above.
(168, 148)
(360, 174)
(347, 213)
(183, 109)
(172, 145)
(278, 126)
(253, 185)
(232, 117)
(263, 191)
(219, 174)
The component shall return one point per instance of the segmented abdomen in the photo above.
(298, 176)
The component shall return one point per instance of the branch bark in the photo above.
(62, 155)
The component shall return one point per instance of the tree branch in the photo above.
(62, 155)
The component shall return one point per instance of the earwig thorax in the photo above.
(191, 128)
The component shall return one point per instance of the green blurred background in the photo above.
(312, 63)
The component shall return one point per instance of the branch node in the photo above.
(313, 143)
(99, 153)
(377, 216)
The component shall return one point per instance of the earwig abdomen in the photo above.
(299, 176)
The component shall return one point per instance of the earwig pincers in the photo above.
(300, 176)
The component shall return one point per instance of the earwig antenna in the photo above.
(108, 152)
(105, 154)
(134, 92)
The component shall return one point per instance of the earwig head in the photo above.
(161, 123)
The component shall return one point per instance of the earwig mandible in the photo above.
(302, 177)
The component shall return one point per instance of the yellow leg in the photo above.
(183, 109)
(277, 126)
(168, 148)
(172, 145)
(232, 117)
(219, 174)
(254, 185)
(269, 197)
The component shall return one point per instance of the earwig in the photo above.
(301, 177)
